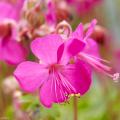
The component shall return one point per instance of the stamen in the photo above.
(102, 60)
(96, 63)
(72, 95)
(68, 84)
(60, 81)
(62, 92)
(77, 95)
(57, 82)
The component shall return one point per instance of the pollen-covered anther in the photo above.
(76, 95)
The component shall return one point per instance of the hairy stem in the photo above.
(75, 104)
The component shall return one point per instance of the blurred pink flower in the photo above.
(57, 12)
(55, 76)
(83, 6)
(11, 10)
(11, 50)
(51, 14)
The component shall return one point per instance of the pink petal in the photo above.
(12, 51)
(7, 11)
(72, 79)
(11, 11)
(78, 33)
(18, 8)
(91, 48)
(45, 48)
(51, 15)
(79, 76)
(46, 94)
(19, 4)
(1, 56)
(90, 29)
(69, 49)
(30, 75)
(52, 91)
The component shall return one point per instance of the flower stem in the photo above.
(75, 104)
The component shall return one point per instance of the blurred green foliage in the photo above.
(97, 104)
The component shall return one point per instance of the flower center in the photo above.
(54, 68)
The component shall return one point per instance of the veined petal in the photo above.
(30, 75)
(79, 76)
(46, 94)
(52, 91)
(72, 79)
(45, 48)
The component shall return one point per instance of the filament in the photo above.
(98, 65)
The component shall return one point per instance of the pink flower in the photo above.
(54, 76)
(11, 50)
(11, 11)
(83, 6)
(56, 12)
(90, 53)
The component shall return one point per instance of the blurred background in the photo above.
(102, 101)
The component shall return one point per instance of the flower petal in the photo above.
(91, 48)
(52, 91)
(30, 75)
(7, 11)
(79, 76)
(10, 11)
(46, 95)
(69, 49)
(78, 33)
(12, 51)
(90, 29)
(45, 48)
(1, 56)
(51, 15)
